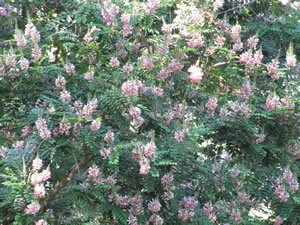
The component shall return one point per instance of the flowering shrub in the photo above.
(153, 112)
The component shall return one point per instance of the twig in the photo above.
(239, 6)
(68, 179)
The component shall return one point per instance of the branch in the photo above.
(86, 159)
(239, 6)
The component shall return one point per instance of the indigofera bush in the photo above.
(147, 112)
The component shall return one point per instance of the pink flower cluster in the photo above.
(280, 190)
(211, 106)
(250, 60)
(64, 128)
(156, 219)
(41, 222)
(109, 12)
(114, 62)
(132, 88)
(20, 39)
(157, 91)
(42, 128)
(135, 116)
(154, 205)
(65, 96)
(24, 63)
(167, 183)
(217, 5)
(33, 208)
(105, 152)
(186, 208)
(95, 125)
(89, 76)
(235, 32)
(242, 109)
(30, 30)
(19, 145)
(179, 135)
(88, 109)
(291, 60)
(196, 74)
(70, 68)
(37, 179)
(175, 66)
(278, 221)
(272, 102)
(60, 82)
(109, 137)
(207, 210)
(273, 68)
(151, 6)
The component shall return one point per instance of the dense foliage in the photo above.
(149, 112)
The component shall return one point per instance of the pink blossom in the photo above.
(36, 53)
(89, 76)
(196, 74)
(19, 145)
(125, 18)
(148, 64)
(196, 42)
(252, 42)
(24, 64)
(64, 128)
(94, 172)
(212, 103)
(95, 125)
(65, 96)
(175, 66)
(219, 41)
(45, 175)
(70, 68)
(109, 12)
(20, 39)
(60, 82)
(41, 222)
(39, 190)
(291, 60)
(109, 137)
(37, 164)
(42, 128)
(223, 112)
(130, 88)
(151, 6)
(33, 208)
(179, 136)
(163, 74)
(218, 4)
(156, 219)
(144, 166)
(272, 102)
(149, 150)
(10, 59)
(258, 56)
(247, 58)
(278, 221)
(127, 30)
(114, 62)
(77, 105)
(89, 108)
(235, 32)
(31, 31)
(157, 91)
(273, 67)
(154, 205)
(127, 68)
